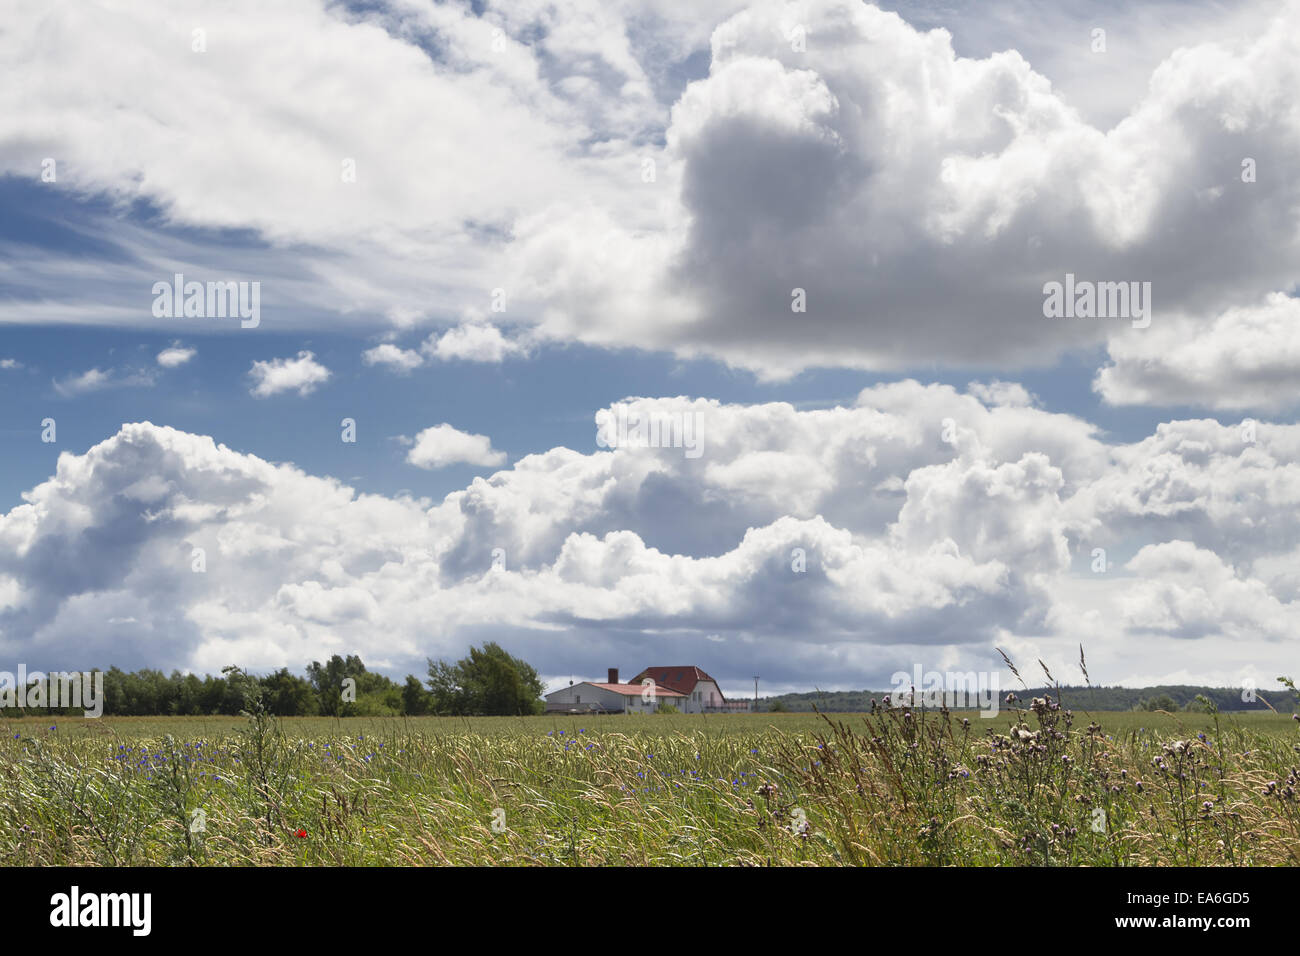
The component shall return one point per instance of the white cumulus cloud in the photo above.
(175, 356)
(443, 445)
(302, 374)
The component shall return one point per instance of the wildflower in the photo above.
(1024, 735)
(301, 834)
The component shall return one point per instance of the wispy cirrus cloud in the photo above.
(98, 379)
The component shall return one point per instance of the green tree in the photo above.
(287, 695)
(488, 682)
(377, 696)
(446, 693)
(415, 699)
(213, 695)
(243, 691)
(327, 682)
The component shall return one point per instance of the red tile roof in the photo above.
(680, 679)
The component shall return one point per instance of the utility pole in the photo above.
(755, 693)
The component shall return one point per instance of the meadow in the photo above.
(1035, 785)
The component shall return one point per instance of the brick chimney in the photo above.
(613, 675)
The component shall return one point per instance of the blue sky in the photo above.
(475, 227)
(526, 405)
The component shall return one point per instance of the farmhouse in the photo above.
(688, 689)
(703, 696)
(610, 697)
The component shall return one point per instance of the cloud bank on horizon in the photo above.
(808, 542)
(775, 188)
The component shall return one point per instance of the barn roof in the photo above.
(681, 679)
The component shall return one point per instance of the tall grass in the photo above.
(898, 786)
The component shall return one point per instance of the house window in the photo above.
(577, 699)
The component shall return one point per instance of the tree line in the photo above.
(1164, 697)
(488, 681)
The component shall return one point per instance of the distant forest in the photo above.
(1164, 697)
(487, 681)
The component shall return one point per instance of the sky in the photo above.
(340, 328)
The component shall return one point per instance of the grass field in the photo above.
(896, 787)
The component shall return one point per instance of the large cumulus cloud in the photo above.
(919, 198)
(918, 523)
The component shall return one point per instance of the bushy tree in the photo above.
(376, 695)
(487, 682)
(243, 691)
(327, 682)
(287, 695)
(415, 699)
(1163, 702)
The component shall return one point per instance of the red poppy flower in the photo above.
(301, 834)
